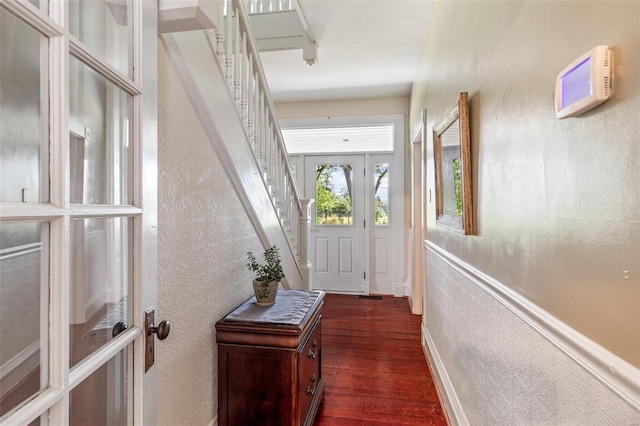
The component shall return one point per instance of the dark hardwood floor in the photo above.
(373, 365)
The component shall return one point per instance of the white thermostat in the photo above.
(585, 83)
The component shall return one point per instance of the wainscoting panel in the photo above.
(501, 360)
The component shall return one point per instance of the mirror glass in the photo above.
(451, 173)
(452, 158)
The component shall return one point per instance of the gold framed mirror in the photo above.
(452, 158)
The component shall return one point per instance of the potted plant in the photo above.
(268, 275)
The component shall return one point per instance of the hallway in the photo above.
(373, 365)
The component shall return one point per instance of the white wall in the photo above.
(558, 214)
(204, 234)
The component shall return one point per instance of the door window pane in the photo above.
(23, 99)
(99, 148)
(23, 286)
(334, 186)
(101, 285)
(40, 4)
(381, 190)
(103, 26)
(101, 399)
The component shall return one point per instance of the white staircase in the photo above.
(223, 76)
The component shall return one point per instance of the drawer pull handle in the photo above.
(311, 354)
(315, 387)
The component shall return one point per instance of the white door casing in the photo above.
(127, 231)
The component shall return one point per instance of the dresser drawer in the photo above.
(309, 371)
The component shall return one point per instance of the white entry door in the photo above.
(78, 204)
(337, 222)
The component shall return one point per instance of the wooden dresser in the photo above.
(270, 361)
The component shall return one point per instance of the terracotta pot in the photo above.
(265, 293)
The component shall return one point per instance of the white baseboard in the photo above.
(452, 405)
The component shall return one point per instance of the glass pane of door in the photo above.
(101, 399)
(23, 288)
(40, 4)
(103, 26)
(102, 280)
(23, 100)
(334, 194)
(381, 191)
(100, 151)
(67, 281)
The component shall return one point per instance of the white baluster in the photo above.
(220, 44)
(256, 120)
(237, 59)
(244, 82)
(220, 32)
(269, 152)
(281, 188)
(287, 211)
(276, 173)
(250, 98)
(290, 204)
(228, 40)
(264, 137)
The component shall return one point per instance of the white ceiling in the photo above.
(366, 49)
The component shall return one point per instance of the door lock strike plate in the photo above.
(149, 321)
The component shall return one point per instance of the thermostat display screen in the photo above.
(576, 83)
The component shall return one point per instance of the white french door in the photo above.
(78, 206)
(336, 246)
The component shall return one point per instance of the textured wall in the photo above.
(203, 236)
(558, 201)
(506, 372)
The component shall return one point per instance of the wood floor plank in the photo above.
(373, 365)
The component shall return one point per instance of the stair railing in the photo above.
(239, 58)
(267, 6)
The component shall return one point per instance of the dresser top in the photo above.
(288, 316)
(290, 308)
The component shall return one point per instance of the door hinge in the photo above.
(365, 275)
(365, 172)
(365, 223)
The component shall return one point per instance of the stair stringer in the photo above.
(203, 79)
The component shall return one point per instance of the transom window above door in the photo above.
(316, 140)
